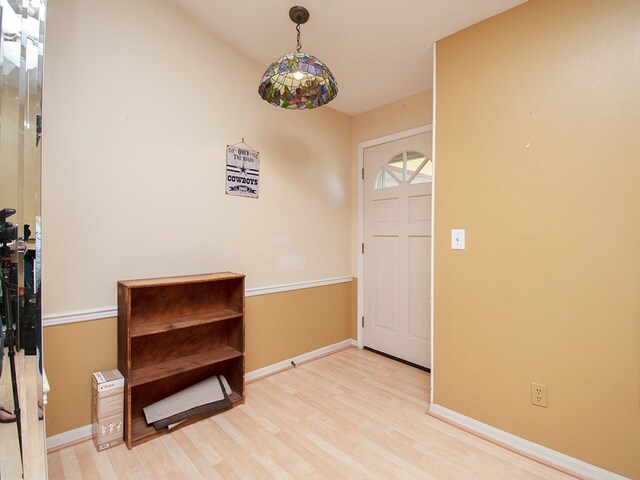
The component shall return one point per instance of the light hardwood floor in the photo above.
(350, 415)
(32, 427)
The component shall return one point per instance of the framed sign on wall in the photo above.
(243, 171)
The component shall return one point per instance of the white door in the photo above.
(397, 248)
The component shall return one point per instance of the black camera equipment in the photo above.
(30, 314)
(8, 231)
(10, 299)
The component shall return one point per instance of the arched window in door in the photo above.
(406, 167)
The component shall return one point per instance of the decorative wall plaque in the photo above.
(243, 171)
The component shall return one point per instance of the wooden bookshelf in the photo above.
(173, 333)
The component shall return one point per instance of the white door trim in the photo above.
(361, 146)
(433, 225)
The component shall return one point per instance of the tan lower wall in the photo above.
(278, 326)
(71, 353)
(354, 309)
(284, 325)
(537, 147)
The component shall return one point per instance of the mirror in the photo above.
(22, 432)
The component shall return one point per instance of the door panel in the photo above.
(420, 210)
(419, 310)
(385, 211)
(385, 251)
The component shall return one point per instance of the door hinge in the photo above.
(363, 248)
(363, 173)
(362, 322)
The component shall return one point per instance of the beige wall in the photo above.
(537, 158)
(405, 114)
(278, 326)
(138, 116)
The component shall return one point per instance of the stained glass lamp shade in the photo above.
(298, 80)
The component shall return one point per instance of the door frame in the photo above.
(361, 147)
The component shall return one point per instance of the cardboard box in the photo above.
(107, 409)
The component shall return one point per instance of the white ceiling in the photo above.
(379, 51)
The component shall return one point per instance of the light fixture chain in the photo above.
(298, 30)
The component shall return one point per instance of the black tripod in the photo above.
(9, 313)
(9, 307)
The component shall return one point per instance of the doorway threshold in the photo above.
(401, 360)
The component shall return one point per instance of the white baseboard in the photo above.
(526, 447)
(69, 438)
(305, 357)
(84, 433)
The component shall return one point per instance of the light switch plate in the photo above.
(457, 239)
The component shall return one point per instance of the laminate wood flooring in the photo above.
(29, 391)
(350, 415)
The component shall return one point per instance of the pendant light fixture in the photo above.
(298, 80)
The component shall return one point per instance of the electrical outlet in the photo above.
(539, 395)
